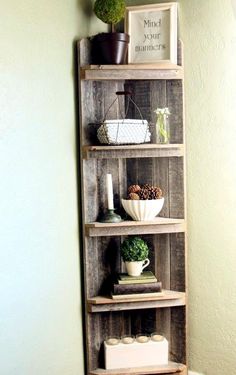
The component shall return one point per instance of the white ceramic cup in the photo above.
(136, 268)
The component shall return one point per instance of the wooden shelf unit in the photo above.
(152, 86)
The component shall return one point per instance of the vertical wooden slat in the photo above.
(174, 101)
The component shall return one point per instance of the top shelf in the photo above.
(131, 71)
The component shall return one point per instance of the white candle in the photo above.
(127, 340)
(112, 341)
(156, 337)
(110, 203)
(142, 338)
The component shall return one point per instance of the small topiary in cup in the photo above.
(110, 11)
(134, 249)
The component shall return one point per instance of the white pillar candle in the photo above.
(110, 202)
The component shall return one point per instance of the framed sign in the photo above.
(153, 33)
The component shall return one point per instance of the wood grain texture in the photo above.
(132, 151)
(170, 298)
(160, 225)
(171, 368)
(115, 74)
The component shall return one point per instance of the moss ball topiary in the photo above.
(134, 249)
(110, 11)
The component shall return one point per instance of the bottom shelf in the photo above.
(171, 368)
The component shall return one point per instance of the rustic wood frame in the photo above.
(132, 11)
(163, 165)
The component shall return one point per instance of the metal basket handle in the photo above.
(125, 93)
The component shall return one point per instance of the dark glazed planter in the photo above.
(110, 48)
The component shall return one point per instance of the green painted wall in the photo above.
(40, 315)
(208, 29)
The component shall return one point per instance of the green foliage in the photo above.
(134, 249)
(110, 11)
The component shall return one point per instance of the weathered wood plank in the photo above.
(133, 151)
(162, 225)
(171, 298)
(157, 66)
(178, 334)
(171, 368)
(137, 74)
(174, 101)
(160, 165)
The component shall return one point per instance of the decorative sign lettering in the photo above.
(153, 33)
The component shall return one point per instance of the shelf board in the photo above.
(170, 298)
(171, 368)
(132, 71)
(133, 151)
(156, 226)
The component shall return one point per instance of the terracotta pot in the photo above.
(110, 48)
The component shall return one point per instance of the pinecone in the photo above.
(146, 186)
(143, 194)
(133, 196)
(133, 189)
(155, 193)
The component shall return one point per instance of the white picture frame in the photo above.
(153, 33)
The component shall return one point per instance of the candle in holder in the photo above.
(127, 339)
(156, 337)
(112, 341)
(142, 338)
(110, 202)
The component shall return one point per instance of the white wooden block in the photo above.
(151, 353)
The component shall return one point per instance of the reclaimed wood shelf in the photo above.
(133, 151)
(171, 368)
(169, 299)
(151, 86)
(157, 226)
(131, 71)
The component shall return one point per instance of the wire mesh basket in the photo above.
(124, 131)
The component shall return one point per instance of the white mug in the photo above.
(136, 268)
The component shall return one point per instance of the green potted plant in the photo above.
(134, 252)
(111, 47)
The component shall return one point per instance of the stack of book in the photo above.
(145, 285)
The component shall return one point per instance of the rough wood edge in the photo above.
(156, 66)
(168, 294)
(171, 368)
(102, 151)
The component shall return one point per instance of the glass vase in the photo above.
(162, 128)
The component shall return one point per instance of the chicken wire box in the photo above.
(136, 354)
(124, 131)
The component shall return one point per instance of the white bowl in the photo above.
(142, 210)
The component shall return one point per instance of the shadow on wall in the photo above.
(85, 9)
(86, 6)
